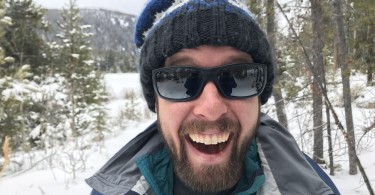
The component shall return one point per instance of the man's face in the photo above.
(208, 136)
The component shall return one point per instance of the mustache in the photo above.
(198, 126)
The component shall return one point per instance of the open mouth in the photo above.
(209, 144)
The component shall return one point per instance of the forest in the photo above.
(53, 93)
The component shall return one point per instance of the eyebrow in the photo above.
(239, 58)
(179, 60)
(187, 60)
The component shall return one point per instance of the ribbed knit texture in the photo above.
(199, 22)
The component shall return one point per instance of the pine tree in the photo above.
(110, 60)
(318, 62)
(21, 40)
(2, 26)
(345, 75)
(83, 83)
(129, 61)
(2, 61)
(23, 104)
(265, 13)
(361, 31)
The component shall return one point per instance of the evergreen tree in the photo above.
(345, 75)
(129, 61)
(83, 83)
(3, 22)
(258, 9)
(110, 60)
(22, 102)
(277, 90)
(318, 62)
(21, 40)
(361, 33)
(265, 13)
(2, 61)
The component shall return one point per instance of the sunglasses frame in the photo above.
(209, 74)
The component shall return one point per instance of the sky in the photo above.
(125, 6)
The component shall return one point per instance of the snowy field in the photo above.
(43, 177)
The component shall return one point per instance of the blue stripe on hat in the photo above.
(147, 18)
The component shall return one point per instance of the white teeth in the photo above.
(210, 139)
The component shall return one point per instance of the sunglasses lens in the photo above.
(241, 81)
(177, 83)
(186, 83)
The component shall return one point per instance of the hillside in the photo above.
(112, 39)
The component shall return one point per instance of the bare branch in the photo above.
(328, 103)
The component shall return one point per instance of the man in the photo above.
(206, 68)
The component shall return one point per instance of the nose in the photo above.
(210, 105)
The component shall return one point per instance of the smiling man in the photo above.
(210, 133)
(206, 68)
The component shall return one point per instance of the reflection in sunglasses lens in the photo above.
(233, 81)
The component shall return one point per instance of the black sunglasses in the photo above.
(235, 81)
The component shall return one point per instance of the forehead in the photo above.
(208, 56)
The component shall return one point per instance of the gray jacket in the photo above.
(285, 168)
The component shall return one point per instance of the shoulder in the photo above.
(120, 174)
(278, 152)
(322, 175)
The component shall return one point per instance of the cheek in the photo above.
(171, 115)
(247, 113)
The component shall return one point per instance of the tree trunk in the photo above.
(345, 75)
(317, 44)
(370, 58)
(330, 148)
(277, 94)
(369, 74)
(329, 105)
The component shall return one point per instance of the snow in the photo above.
(9, 59)
(18, 89)
(6, 20)
(74, 31)
(117, 84)
(75, 56)
(86, 27)
(89, 62)
(35, 132)
(52, 179)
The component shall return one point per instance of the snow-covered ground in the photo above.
(50, 179)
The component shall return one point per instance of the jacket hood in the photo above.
(285, 168)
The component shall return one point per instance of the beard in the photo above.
(209, 178)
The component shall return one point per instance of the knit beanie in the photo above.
(166, 26)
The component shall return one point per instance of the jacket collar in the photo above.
(157, 169)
